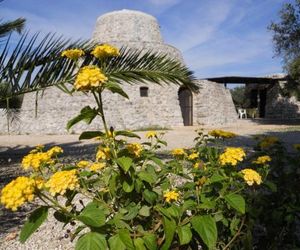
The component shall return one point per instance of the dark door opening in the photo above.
(262, 102)
(186, 106)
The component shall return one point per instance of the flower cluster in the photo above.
(83, 164)
(177, 152)
(73, 54)
(89, 77)
(251, 176)
(171, 196)
(221, 134)
(262, 159)
(55, 151)
(151, 134)
(268, 141)
(17, 192)
(105, 50)
(297, 146)
(97, 166)
(232, 156)
(61, 181)
(36, 158)
(103, 154)
(135, 149)
(193, 156)
(91, 166)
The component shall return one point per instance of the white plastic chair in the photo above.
(242, 112)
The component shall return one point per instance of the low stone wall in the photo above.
(213, 104)
(280, 107)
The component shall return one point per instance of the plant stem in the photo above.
(102, 113)
(235, 236)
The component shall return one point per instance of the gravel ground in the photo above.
(51, 236)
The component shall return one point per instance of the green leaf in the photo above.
(87, 114)
(128, 185)
(91, 241)
(115, 88)
(150, 241)
(113, 184)
(206, 228)
(92, 215)
(150, 196)
(34, 221)
(126, 239)
(236, 201)
(145, 211)
(116, 243)
(127, 134)
(145, 176)
(217, 178)
(133, 211)
(139, 244)
(90, 135)
(184, 234)
(125, 163)
(61, 217)
(169, 228)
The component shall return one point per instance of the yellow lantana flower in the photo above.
(89, 77)
(105, 50)
(221, 133)
(178, 152)
(268, 141)
(296, 146)
(61, 181)
(36, 160)
(97, 166)
(135, 149)
(83, 164)
(262, 159)
(151, 134)
(171, 196)
(103, 154)
(232, 156)
(73, 54)
(251, 176)
(193, 156)
(55, 151)
(17, 192)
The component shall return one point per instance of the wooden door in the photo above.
(186, 106)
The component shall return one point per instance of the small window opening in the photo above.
(144, 91)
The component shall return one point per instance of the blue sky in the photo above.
(216, 37)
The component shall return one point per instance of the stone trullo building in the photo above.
(149, 104)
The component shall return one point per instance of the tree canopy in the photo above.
(286, 40)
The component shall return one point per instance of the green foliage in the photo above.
(133, 199)
(34, 221)
(239, 97)
(286, 40)
(286, 33)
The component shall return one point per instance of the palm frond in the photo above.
(9, 26)
(35, 64)
(136, 66)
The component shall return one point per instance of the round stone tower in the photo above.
(133, 29)
(149, 104)
(127, 26)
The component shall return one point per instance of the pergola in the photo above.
(246, 80)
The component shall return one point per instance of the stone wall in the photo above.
(134, 29)
(280, 107)
(213, 104)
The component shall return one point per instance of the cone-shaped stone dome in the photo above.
(127, 26)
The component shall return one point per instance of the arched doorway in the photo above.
(186, 105)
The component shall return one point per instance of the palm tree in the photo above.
(35, 64)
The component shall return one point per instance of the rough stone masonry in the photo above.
(162, 106)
